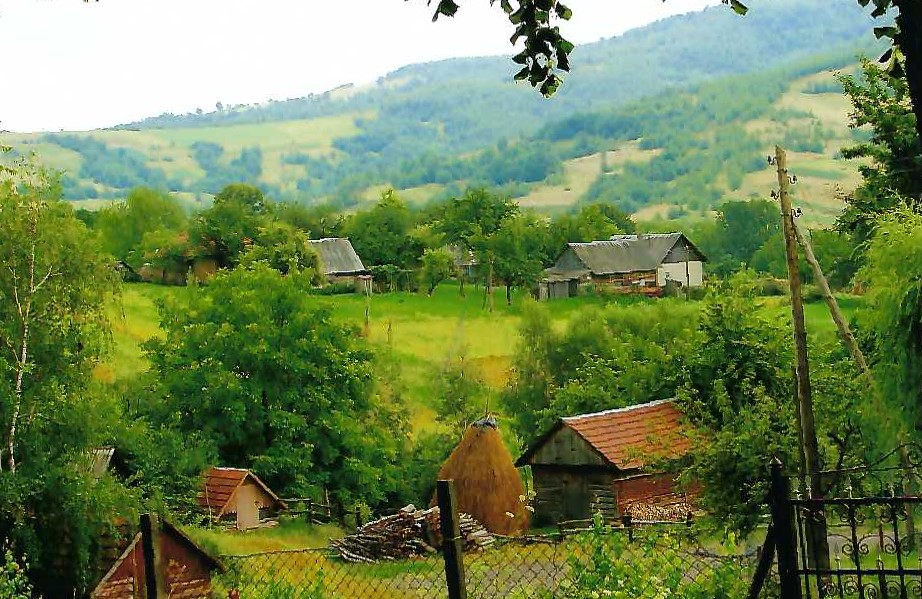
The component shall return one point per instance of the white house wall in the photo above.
(675, 271)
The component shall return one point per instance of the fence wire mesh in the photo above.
(641, 563)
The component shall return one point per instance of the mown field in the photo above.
(424, 333)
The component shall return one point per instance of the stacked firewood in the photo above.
(663, 512)
(407, 533)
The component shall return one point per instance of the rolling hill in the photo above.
(432, 129)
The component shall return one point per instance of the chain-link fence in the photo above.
(638, 562)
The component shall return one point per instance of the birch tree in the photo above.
(53, 286)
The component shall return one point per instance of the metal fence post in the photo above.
(153, 582)
(451, 539)
(785, 541)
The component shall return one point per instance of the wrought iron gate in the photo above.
(861, 542)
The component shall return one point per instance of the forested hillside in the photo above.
(433, 129)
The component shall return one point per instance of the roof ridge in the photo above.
(649, 404)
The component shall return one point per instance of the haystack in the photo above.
(486, 480)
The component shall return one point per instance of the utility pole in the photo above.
(804, 392)
(817, 533)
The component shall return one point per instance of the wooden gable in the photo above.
(683, 250)
(569, 261)
(564, 447)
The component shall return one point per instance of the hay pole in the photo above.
(451, 539)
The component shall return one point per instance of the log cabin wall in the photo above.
(571, 480)
(564, 494)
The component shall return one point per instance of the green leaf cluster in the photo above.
(278, 385)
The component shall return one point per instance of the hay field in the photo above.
(580, 173)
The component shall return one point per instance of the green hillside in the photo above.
(433, 129)
(807, 116)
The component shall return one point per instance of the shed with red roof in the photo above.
(238, 495)
(184, 570)
(612, 462)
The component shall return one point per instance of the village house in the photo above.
(608, 462)
(338, 261)
(186, 568)
(642, 263)
(238, 496)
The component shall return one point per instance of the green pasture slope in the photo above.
(423, 333)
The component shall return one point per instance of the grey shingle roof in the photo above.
(337, 256)
(632, 253)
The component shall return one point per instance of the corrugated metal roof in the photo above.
(628, 253)
(337, 256)
(220, 486)
(629, 437)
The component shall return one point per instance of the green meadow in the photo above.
(423, 333)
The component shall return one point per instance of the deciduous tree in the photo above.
(279, 386)
(123, 225)
(880, 101)
(53, 285)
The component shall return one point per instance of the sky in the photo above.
(72, 65)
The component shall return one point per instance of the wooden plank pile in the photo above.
(407, 533)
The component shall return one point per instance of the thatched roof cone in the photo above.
(487, 483)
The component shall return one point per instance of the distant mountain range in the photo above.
(457, 118)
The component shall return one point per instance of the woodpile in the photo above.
(663, 512)
(407, 533)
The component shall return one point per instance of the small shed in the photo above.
(641, 263)
(185, 569)
(597, 462)
(338, 259)
(239, 496)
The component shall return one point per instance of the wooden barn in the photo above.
(338, 260)
(642, 263)
(596, 462)
(185, 568)
(237, 495)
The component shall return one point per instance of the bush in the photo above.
(811, 293)
(651, 563)
(13, 581)
(770, 287)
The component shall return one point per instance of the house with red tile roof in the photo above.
(237, 495)
(611, 462)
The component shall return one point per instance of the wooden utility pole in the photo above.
(804, 392)
(845, 331)
(817, 531)
(452, 550)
